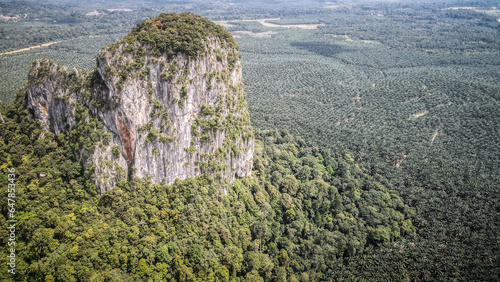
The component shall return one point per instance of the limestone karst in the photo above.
(170, 97)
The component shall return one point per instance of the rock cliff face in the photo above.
(171, 99)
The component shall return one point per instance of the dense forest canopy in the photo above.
(378, 154)
(179, 33)
(301, 213)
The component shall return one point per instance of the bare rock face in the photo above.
(171, 99)
(51, 99)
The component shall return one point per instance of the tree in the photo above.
(290, 185)
(143, 269)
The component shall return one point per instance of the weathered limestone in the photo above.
(168, 118)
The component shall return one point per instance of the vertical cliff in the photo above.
(170, 96)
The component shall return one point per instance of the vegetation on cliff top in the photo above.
(172, 33)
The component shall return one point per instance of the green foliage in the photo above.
(188, 230)
(172, 34)
(184, 92)
(363, 84)
(115, 150)
(352, 85)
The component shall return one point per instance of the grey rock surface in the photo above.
(168, 118)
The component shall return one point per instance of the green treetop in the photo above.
(171, 34)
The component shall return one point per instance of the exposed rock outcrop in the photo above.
(171, 99)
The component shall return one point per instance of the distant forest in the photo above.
(385, 102)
